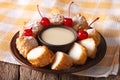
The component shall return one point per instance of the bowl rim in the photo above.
(57, 26)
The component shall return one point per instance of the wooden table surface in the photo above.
(15, 72)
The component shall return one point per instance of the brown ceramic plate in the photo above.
(89, 63)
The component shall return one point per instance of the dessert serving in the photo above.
(58, 42)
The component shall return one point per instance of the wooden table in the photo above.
(15, 72)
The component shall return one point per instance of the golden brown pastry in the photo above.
(80, 22)
(90, 45)
(62, 61)
(25, 44)
(56, 19)
(92, 33)
(78, 53)
(40, 56)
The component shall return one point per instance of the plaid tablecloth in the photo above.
(13, 14)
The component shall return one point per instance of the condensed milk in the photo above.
(58, 36)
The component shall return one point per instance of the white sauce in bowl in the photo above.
(58, 36)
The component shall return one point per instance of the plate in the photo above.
(89, 63)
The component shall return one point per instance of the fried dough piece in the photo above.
(40, 56)
(90, 45)
(92, 33)
(56, 19)
(80, 22)
(25, 44)
(62, 61)
(78, 53)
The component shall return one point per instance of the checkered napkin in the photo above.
(13, 14)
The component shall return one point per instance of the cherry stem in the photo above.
(94, 21)
(39, 11)
(69, 8)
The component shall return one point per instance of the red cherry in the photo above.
(82, 34)
(28, 32)
(68, 22)
(45, 21)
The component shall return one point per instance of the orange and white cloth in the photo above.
(13, 14)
